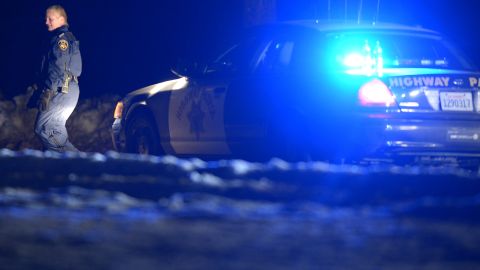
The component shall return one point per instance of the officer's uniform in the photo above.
(61, 66)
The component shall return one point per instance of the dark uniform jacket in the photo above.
(61, 58)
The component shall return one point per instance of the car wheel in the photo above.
(142, 136)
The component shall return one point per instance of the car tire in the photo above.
(142, 136)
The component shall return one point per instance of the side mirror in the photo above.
(221, 68)
(188, 69)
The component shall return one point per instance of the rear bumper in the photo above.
(428, 137)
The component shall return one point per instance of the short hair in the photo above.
(60, 11)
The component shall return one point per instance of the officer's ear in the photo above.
(62, 20)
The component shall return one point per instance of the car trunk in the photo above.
(441, 96)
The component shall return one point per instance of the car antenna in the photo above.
(316, 16)
(345, 10)
(329, 9)
(359, 11)
(378, 13)
(360, 6)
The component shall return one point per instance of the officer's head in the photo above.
(55, 17)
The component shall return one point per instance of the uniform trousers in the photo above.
(50, 124)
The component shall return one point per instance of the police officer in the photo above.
(58, 82)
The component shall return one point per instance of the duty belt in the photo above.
(66, 82)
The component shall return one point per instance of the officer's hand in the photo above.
(34, 98)
(44, 101)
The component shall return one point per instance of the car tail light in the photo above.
(375, 93)
(118, 110)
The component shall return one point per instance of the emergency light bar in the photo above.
(367, 62)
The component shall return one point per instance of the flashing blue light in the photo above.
(408, 71)
(367, 63)
(354, 60)
(441, 62)
(426, 62)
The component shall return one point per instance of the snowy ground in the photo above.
(117, 211)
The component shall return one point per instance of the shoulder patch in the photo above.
(63, 44)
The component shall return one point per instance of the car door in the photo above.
(201, 115)
(254, 97)
(195, 118)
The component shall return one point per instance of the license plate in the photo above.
(456, 101)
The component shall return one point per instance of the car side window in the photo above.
(238, 59)
(298, 53)
(275, 57)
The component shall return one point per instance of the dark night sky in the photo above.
(125, 45)
(131, 44)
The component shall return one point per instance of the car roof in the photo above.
(336, 26)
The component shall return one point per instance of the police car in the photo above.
(313, 89)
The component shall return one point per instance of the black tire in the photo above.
(142, 135)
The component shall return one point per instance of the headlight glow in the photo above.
(118, 110)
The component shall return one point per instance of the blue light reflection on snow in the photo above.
(226, 188)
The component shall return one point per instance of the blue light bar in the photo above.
(367, 62)
(407, 71)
